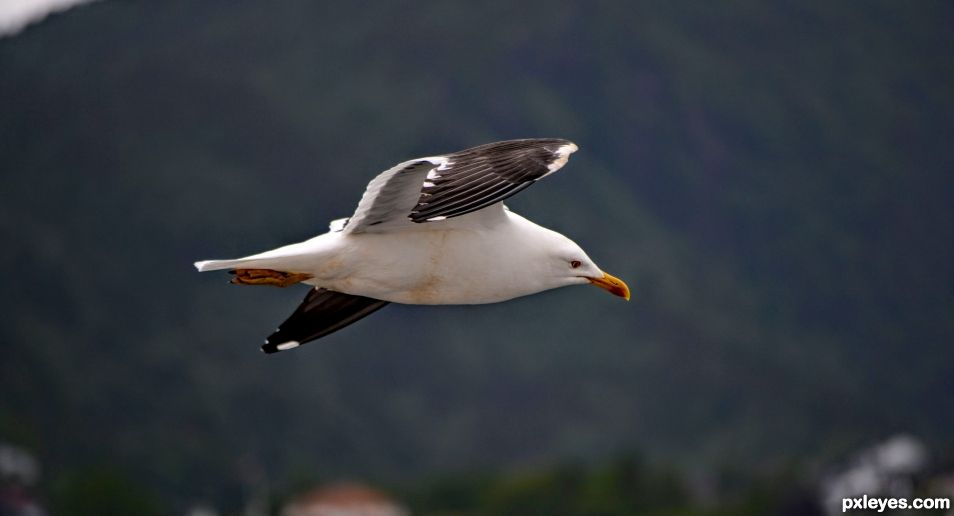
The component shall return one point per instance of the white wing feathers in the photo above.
(389, 197)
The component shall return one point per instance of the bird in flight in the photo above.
(428, 231)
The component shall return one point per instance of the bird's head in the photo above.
(570, 265)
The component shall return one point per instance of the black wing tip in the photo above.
(274, 347)
(517, 144)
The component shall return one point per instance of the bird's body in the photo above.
(498, 253)
(430, 231)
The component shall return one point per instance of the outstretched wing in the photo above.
(322, 312)
(440, 187)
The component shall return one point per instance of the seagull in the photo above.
(428, 231)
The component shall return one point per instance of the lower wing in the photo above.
(322, 312)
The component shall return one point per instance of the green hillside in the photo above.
(773, 180)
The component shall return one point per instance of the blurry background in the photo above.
(773, 179)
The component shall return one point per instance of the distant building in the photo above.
(344, 499)
(17, 464)
(19, 471)
(886, 469)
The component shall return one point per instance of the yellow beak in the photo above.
(612, 284)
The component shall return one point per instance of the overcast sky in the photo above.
(17, 14)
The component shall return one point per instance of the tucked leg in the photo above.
(267, 277)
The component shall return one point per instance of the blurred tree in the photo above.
(103, 491)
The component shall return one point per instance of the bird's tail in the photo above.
(293, 263)
(277, 271)
(290, 258)
(217, 265)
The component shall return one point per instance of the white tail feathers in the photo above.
(216, 265)
(295, 263)
(301, 257)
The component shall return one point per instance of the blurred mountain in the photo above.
(773, 179)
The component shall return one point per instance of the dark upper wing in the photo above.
(440, 187)
(475, 178)
(322, 312)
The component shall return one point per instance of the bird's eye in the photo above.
(575, 264)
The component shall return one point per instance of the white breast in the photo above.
(456, 265)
